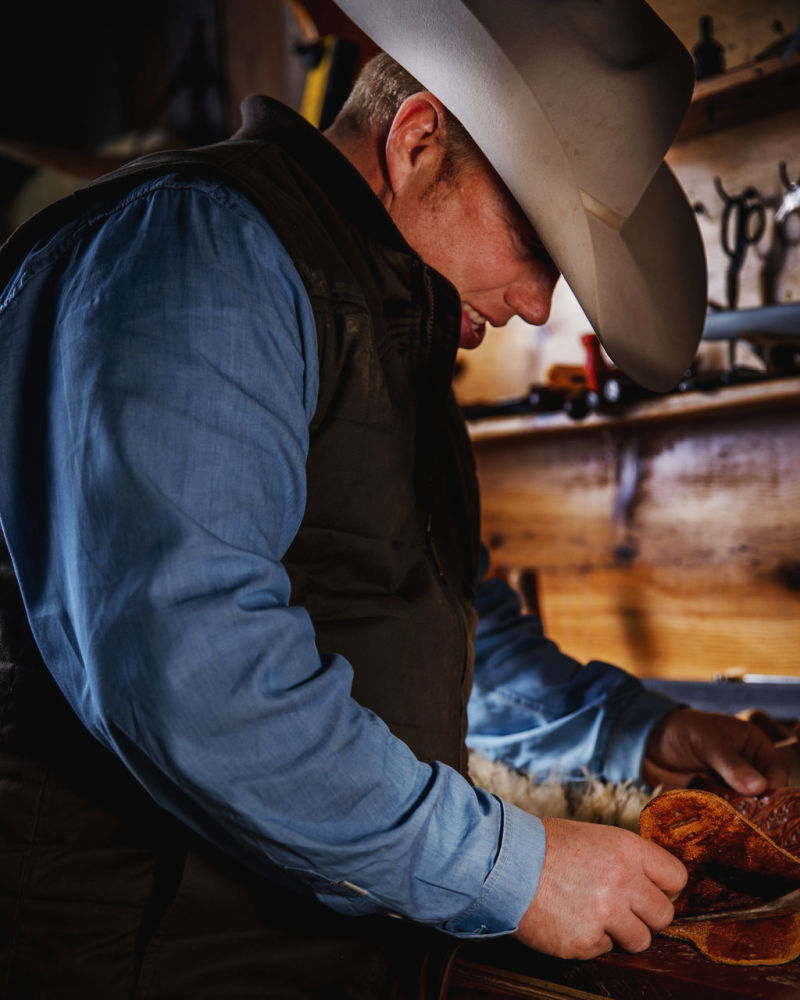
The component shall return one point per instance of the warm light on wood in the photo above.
(667, 541)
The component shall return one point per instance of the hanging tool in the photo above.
(743, 222)
(742, 225)
(330, 64)
(708, 54)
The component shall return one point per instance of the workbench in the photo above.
(666, 539)
(669, 970)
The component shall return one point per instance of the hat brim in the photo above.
(642, 285)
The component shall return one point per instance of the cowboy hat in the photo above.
(574, 104)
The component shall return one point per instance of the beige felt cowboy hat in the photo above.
(574, 103)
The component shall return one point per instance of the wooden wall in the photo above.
(667, 542)
(257, 40)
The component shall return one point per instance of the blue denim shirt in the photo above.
(181, 379)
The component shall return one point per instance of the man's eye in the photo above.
(526, 238)
(532, 241)
(534, 246)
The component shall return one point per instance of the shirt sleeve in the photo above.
(182, 378)
(541, 711)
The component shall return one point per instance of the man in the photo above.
(243, 518)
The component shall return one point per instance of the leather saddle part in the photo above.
(776, 813)
(741, 904)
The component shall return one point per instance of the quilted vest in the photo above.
(385, 560)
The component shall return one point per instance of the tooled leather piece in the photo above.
(736, 850)
(776, 813)
(770, 940)
(732, 862)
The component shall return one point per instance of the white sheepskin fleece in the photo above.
(591, 801)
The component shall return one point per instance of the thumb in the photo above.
(739, 773)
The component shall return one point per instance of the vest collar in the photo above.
(267, 120)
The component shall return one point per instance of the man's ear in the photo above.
(415, 144)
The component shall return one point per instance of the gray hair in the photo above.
(380, 89)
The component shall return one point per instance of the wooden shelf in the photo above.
(773, 393)
(751, 91)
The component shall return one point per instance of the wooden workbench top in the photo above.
(669, 970)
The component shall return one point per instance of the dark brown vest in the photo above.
(385, 559)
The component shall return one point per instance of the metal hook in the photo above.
(749, 193)
(784, 175)
(791, 197)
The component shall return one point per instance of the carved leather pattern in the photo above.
(776, 813)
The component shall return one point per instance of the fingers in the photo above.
(653, 909)
(584, 947)
(771, 763)
(650, 912)
(601, 946)
(688, 742)
(753, 766)
(777, 775)
(632, 934)
(664, 870)
(631, 928)
(740, 775)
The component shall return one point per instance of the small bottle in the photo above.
(709, 55)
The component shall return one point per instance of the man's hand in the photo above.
(688, 743)
(600, 886)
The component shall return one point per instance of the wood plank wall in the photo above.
(671, 549)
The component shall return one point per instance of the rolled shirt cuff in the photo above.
(511, 884)
(627, 741)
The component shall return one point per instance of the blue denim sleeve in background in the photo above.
(541, 711)
(182, 377)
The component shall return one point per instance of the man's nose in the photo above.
(531, 300)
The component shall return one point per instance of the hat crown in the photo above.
(612, 79)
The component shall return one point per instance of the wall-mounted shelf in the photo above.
(752, 91)
(772, 393)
